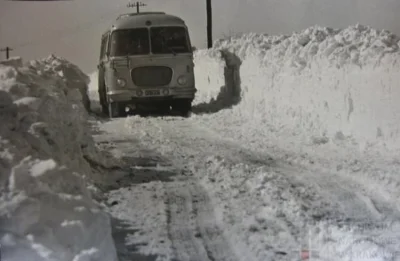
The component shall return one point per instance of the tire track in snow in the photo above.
(184, 142)
(327, 196)
(214, 241)
(357, 202)
(192, 226)
(350, 201)
(180, 224)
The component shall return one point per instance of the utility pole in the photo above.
(209, 23)
(137, 5)
(7, 50)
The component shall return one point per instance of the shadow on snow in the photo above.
(125, 252)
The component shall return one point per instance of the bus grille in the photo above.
(151, 76)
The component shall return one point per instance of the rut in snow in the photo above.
(192, 226)
(166, 212)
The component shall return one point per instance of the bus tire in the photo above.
(116, 110)
(103, 99)
(183, 106)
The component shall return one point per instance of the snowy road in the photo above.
(287, 150)
(195, 194)
(293, 146)
(190, 229)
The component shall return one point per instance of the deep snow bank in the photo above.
(46, 209)
(209, 73)
(320, 83)
(93, 92)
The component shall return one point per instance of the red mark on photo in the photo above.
(305, 255)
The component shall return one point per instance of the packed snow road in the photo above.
(297, 149)
(173, 211)
(195, 194)
(293, 146)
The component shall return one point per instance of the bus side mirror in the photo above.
(194, 48)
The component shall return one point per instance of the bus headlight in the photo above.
(121, 82)
(182, 80)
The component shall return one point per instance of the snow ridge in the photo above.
(44, 146)
(358, 44)
(321, 84)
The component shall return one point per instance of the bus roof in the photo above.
(134, 20)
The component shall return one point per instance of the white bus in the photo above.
(146, 62)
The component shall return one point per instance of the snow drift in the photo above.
(300, 94)
(46, 209)
(219, 69)
(209, 73)
(321, 83)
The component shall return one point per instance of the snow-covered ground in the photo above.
(47, 153)
(292, 145)
(290, 135)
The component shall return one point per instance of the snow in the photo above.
(93, 91)
(293, 140)
(45, 152)
(301, 114)
(150, 221)
(86, 255)
(289, 134)
(320, 84)
(323, 99)
(66, 223)
(209, 67)
(265, 206)
(41, 167)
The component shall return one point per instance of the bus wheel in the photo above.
(116, 109)
(164, 108)
(103, 99)
(183, 106)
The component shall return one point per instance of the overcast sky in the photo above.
(72, 29)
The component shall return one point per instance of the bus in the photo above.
(146, 62)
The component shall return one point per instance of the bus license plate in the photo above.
(152, 92)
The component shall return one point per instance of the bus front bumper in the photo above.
(151, 94)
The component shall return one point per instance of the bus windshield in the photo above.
(171, 39)
(164, 40)
(130, 42)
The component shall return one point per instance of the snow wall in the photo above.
(321, 83)
(47, 208)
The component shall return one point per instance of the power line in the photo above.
(209, 23)
(137, 5)
(7, 50)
